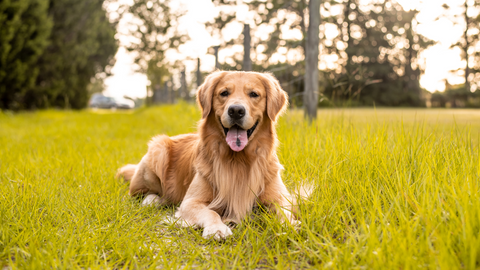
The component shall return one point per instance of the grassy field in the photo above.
(394, 189)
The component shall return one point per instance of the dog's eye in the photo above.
(224, 93)
(253, 94)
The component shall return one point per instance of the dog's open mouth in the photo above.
(237, 138)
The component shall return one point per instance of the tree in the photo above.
(414, 45)
(468, 43)
(96, 85)
(272, 16)
(82, 44)
(158, 74)
(456, 96)
(377, 48)
(270, 50)
(378, 52)
(154, 28)
(24, 32)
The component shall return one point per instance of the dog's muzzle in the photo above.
(236, 136)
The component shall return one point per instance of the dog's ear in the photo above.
(277, 98)
(205, 92)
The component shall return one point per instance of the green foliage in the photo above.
(376, 70)
(393, 189)
(96, 85)
(265, 13)
(371, 68)
(468, 42)
(50, 50)
(82, 44)
(154, 29)
(25, 28)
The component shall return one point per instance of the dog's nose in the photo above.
(236, 112)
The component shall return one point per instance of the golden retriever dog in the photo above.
(220, 173)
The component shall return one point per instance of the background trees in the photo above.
(468, 42)
(25, 28)
(376, 47)
(57, 46)
(55, 52)
(154, 32)
(379, 50)
(82, 44)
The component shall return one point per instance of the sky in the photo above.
(438, 59)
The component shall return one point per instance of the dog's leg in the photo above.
(144, 181)
(278, 199)
(194, 210)
(151, 171)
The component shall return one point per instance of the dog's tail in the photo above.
(126, 172)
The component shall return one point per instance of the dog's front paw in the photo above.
(152, 200)
(296, 224)
(218, 231)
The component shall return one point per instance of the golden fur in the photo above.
(213, 183)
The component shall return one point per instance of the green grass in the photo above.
(394, 189)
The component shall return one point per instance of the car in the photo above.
(123, 103)
(101, 101)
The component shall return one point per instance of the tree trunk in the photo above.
(217, 64)
(310, 97)
(199, 73)
(156, 95)
(184, 88)
(147, 99)
(165, 97)
(172, 92)
(465, 35)
(349, 48)
(247, 61)
(411, 76)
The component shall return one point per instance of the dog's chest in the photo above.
(235, 188)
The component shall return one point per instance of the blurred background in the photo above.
(129, 53)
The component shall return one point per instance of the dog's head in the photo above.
(240, 102)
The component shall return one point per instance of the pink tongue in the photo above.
(237, 138)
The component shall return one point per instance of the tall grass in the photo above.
(392, 189)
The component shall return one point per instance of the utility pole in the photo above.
(310, 94)
(247, 61)
(467, 46)
(217, 64)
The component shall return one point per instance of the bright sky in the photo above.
(438, 59)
